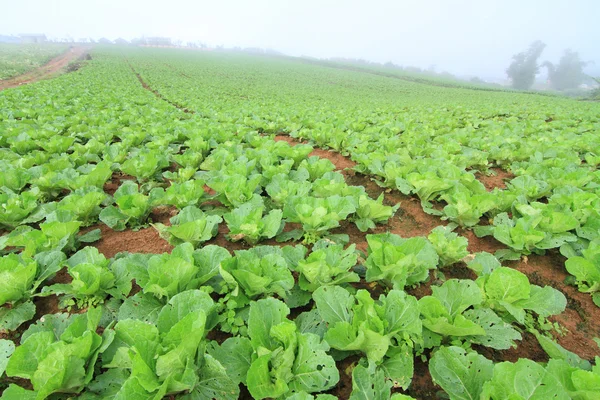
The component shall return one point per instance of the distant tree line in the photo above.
(408, 69)
(567, 74)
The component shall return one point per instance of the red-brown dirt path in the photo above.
(49, 70)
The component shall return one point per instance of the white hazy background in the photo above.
(463, 37)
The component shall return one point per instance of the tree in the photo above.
(568, 74)
(524, 66)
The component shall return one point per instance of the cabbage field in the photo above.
(210, 225)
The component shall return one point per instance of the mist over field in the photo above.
(465, 37)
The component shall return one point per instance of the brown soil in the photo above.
(337, 159)
(582, 316)
(344, 387)
(218, 336)
(497, 180)
(61, 276)
(528, 347)
(374, 288)
(145, 240)
(45, 306)
(221, 240)
(285, 138)
(410, 220)
(422, 290)
(49, 70)
(476, 245)
(422, 386)
(117, 178)
(209, 190)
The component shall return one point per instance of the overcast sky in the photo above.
(464, 37)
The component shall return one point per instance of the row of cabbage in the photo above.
(552, 202)
(154, 342)
(432, 149)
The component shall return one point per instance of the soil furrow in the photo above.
(157, 93)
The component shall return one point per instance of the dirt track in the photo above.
(52, 68)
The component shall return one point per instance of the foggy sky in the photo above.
(464, 37)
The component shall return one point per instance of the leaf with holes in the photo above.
(459, 373)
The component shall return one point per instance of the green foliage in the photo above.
(247, 222)
(60, 361)
(17, 276)
(20, 277)
(259, 272)
(399, 262)
(93, 279)
(369, 212)
(182, 194)
(282, 188)
(385, 331)
(145, 164)
(316, 167)
(534, 231)
(461, 374)
(166, 357)
(235, 190)
(7, 347)
(191, 225)
(164, 275)
(133, 207)
(84, 204)
(318, 215)
(509, 292)
(456, 310)
(586, 269)
(528, 379)
(450, 247)
(286, 360)
(327, 266)
(16, 208)
(369, 383)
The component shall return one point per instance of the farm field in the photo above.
(200, 225)
(16, 59)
